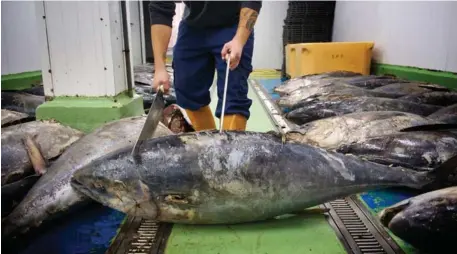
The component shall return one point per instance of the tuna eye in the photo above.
(176, 199)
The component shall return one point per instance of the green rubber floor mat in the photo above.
(292, 235)
(310, 234)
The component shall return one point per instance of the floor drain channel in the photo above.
(140, 236)
(357, 233)
(145, 238)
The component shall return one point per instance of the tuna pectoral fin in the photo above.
(39, 163)
(441, 173)
(305, 213)
(431, 127)
(316, 210)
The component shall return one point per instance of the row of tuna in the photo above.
(230, 177)
(315, 97)
(391, 122)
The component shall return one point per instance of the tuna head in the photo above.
(159, 187)
(427, 221)
(115, 182)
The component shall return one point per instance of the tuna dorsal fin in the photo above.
(33, 149)
(435, 87)
(441, 173)
(431, 127)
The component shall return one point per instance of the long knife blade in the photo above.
(152, 121)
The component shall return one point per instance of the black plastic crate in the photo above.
(307, 31)
(328, 21)
(311, 9)
(312, 5)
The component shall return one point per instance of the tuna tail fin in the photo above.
(440, 175)
(431, 127)
(39, 163)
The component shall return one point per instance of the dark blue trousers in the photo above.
(197, 53)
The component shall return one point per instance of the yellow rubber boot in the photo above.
(202, 119)
(234, 123)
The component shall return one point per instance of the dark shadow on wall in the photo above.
(147, 33)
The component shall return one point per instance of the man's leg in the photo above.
(237, 104)
(193, 68)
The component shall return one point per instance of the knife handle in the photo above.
(161, 89)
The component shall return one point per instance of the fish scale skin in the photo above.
(403, 89)
(446, 115)
(367, 82)
(332, 132)
(9, 117)
(439, 98)
(21, 102)
(237, 177)
(336, 105)
(295, 99)
(418, 150)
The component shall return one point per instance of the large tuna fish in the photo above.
(232, 177)
(421, 150)
(428, 221)
(445, 115)
(52, 139)
(368, 82)
(314, 79)
(14, 192)
(144, 74)
(403, 89)
(336, 105)
(143, 78)
(335, 131)
(35, 90)
(371, 81)
(21, 102)
(433, 98)
(12, 117)
(52, 194)
(298, 96)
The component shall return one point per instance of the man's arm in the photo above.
(248, 16)
(161, 14)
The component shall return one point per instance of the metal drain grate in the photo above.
(140, 236)
(357, 232)
(145, 238)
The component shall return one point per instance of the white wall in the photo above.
(135, 32)
(20, 43)
(419, 34)
(21, 48)
(268, 49)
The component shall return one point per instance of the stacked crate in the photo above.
(307, 21)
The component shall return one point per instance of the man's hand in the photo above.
(234, 49)
(161, 77)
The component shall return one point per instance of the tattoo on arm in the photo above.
(251, 17)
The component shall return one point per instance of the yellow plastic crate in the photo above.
(313, 58)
